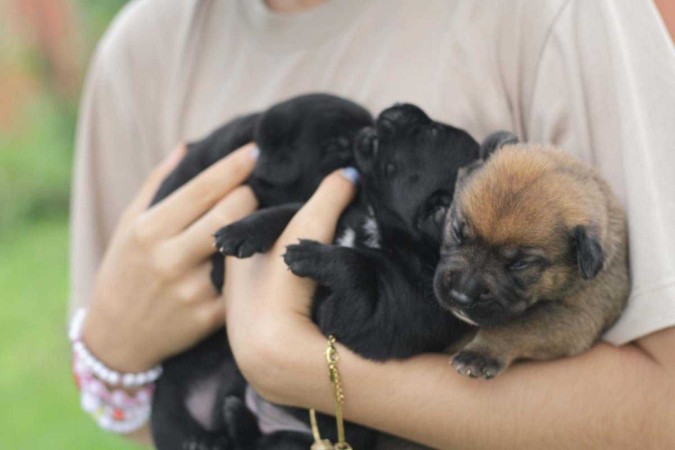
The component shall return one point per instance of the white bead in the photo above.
(127, 379)
(138, 379)
(76, 325)
(105, 422)
(89, 402)
(114, 378)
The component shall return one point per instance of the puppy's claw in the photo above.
(477, 365)
(234, 240)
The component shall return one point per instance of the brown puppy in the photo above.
(535, 254)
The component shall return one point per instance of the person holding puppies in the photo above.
(594, 78)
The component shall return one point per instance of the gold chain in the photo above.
(332, 359)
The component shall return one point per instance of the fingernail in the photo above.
(255, 152)
(351, 174)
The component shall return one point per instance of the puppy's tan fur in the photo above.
(532, 196)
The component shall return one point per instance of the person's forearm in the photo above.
(608, 398)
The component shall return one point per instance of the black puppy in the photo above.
(198, 401)
(376, 292)
(380, 301)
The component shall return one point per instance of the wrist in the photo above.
(119, 402)
(284, 363)
(112, 347)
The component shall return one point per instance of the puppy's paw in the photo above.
(477, 364)
(238, 240)
(304, 258)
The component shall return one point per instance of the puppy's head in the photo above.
(302, 140)
(409, 166)
(524, 227)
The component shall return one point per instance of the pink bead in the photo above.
(97, 387)
(143, 396)
(119, 399)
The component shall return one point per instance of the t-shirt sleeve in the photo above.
(114, 150)
(604, 88)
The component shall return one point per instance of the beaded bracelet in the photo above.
(100, 370)
(114, 410)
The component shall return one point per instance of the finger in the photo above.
(151, 184)
(318, 217)
(196, 287)
(196, 242)
(200, 194)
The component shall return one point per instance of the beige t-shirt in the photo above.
(596, 77)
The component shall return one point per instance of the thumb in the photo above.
(317, 219)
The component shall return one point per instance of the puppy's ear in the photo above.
(366, 146)
(590, 257)
(431, 217)
(491, 144)
(464, 173)
(495, 141)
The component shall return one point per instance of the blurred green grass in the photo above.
(35, 164)
(39, 406)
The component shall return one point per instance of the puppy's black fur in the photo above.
(300, 140)
(375, 289)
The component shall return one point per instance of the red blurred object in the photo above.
(51, 27)
(37, 30)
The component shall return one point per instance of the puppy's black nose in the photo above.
(467, 289)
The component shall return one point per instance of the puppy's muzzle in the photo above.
(462, 290)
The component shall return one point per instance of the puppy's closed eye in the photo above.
(520, 264)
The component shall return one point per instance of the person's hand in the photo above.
(268, 308)
(153, 295)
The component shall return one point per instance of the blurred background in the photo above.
(44, 49)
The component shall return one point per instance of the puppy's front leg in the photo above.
(255, 233)
(331, 265)
(549, 331)
(347, 308)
